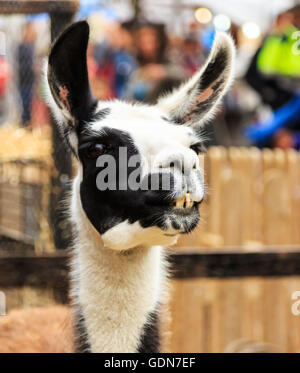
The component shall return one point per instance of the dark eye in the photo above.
(93, 151)
(198, 148)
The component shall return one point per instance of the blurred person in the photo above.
(39, 109)
(175, 47)
(25, 66)
(284, 139)
(193, 55)
(156, 72)
(5, 80)
(115, 59)
(275, 74)
(101, 82)
(240, 103)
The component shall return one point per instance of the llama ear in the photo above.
(70, 98)
(197, 99)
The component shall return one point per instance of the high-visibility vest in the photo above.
(280, 54)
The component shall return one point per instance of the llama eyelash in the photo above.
(198, 148)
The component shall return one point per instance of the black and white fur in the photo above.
(119, 271)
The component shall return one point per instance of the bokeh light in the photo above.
(222, 22)
(251, 30)
(203, 15)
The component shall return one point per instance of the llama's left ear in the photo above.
(197, 99)
(70, 97)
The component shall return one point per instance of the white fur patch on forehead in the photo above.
(145, 124)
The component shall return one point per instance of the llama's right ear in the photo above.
(197, 99)
(70, 98)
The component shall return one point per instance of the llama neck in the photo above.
(118, 295)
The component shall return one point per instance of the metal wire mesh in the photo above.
(25, 36)
(24, 196)
(30, 189)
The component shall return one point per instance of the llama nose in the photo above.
(182, 162)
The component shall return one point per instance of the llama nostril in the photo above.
(194, 166)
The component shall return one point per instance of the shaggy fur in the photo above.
(37, 330)
(119, 271)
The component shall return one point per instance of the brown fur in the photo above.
(37, 330)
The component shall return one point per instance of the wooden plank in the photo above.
(293, 175)
(32, 175)
(15, 234)
(195, 315)
(11, 211)
(253, 218)
(252, 309)
(292, 321)
(33, 270)
(277, 204)
(38, 6)
(232, 189)
(40, 270)
(230, 310)
(272, 312)
(217, 160)
(186, 310)
(10, 191)
(9, 224)
(222, 265)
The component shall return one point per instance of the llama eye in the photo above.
(198, 148)
(94, 151)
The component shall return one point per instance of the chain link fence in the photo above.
(32, 179)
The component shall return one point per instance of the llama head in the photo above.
(139, 180)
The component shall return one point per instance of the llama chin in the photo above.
(119, 267)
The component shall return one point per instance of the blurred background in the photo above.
(235, 274)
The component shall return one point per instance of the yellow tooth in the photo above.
(185, 202)
(180, 202)
(188, 200)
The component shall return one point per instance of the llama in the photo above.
(119, 268)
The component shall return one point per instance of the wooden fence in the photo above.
(253, 199)
(216, 298)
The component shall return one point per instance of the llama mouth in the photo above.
(184, 202)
